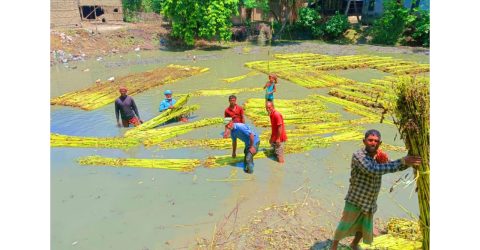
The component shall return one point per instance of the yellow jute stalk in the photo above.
(154, 136)
(165, 116)
(58, 140)
(184, 165)
(224, 92)
(102, 94)
(238, 78)
(412, 117)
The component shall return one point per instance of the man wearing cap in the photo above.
(365, 181)
(168, 102)
(279, 136)
(248, 136)
(125, 106)
(234, 111)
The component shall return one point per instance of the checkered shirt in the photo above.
(366, 179)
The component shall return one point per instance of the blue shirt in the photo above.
(165, 104)
(242, 132)
(269, 89)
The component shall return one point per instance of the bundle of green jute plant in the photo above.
(58, 140)
(102, 94)
(154, 136)
(166, 115)
(185, 165)
(412, 117)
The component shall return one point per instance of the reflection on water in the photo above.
(129, 208)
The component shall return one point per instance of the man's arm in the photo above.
(252, 146)
(242, 116)
(370, 165)
(279, 133)
(117, 112)
(134, 107)
(162, 106)
(234, 147)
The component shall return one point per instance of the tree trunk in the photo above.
(348, 7)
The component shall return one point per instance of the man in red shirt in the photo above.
(234, 111)
(279, 137)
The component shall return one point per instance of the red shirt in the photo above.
(276, 119)
(236, 113)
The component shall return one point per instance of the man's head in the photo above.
(269, 107)
(168, 94)
(372, 141)
(232, 100)
(272, 78)
(123, 91)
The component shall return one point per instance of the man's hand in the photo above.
(141, 121)
(413, 161)
(171, 107)
(252, 150)
(234, 155)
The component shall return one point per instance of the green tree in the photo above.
(389, 28)
(308, 19)
(209, 19)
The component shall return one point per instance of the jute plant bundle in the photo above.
(390, 242)
(58, 140)
(302, 111)
(238, 78)
(223, 92)
(154, 136)
(178, 110)
(185, 165)
(372, 115)
(325, 62)
(412, 117)
(303, 75)
(294, 145)
(104, 93)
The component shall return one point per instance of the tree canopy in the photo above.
(208, 19)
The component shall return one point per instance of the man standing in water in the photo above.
(125, 106)
(245, 134)
(365, 181)
(279, 136)
(234, 111)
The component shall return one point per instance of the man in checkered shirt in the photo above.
(365, 182)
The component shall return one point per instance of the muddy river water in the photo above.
(136, 208)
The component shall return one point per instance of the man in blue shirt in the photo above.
(248, 136)
(168, 102)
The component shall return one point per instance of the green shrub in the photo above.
(336, 26)
(389, 28)
(421, 29)
(309, 21)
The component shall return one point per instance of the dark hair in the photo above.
(373, 132)
(232, 97)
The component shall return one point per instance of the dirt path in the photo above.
(104, 39)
